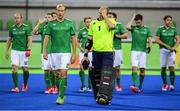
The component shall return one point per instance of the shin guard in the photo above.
(106, 85)
(95, 75)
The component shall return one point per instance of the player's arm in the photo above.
(177, 38)
(8, 44)
(78, 42)
(73, 57)
(108, 22)
(46, 40)
(158, 41)
(148, 49)
(35, 30)
(122, 36)
(129, 24)
(29, 42)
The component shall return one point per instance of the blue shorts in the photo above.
(101, 59)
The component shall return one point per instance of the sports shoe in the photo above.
(48, 91)
(171, 87)
(54, 90)
(101, 101)
(24, 87)
(60, 100)
(135, 89)
(164, 87)
(15, 89)
(82, 89)
(118, 88)
(89, 90)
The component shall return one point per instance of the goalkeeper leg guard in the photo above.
(106, 87)
(95, 75)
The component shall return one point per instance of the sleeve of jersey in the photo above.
(176, 33)
(29, 32)
(90, 32)
(158, 32)
(47, 30)
(112, 20)
(149, 32)
(123, 30)
(10, 32)
(40, 29)
(79, 35)
(72, 30)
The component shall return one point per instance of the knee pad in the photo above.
(95, 75)
(106, 83)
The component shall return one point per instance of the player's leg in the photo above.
(171, 62)
(163, 62)
(107, 81)
(24, 65)
(25, 78)
(81, 73)
(15, 63)
(89, 71)
(52, 75)
(89, 80)
(64, 62)
(142, 65)
(117, 63)
(53, 82)
(134, 62)
(46, 68)
(96, 72)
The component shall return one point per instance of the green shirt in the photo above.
(102, 35)
(118, 30)
(60, 33)
(83, 36)
(41, 31)
(19, 37)
(167, 35)
(139, 37)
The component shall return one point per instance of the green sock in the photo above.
(89, 82)
(81, 74)
(141, 78)
(25, 76)
(172, 77)
(134, 78)
(62, 87)
(47, 79)
(57, 82)
(15, 78)
(53, 79)
(117, 81)
(163, 76)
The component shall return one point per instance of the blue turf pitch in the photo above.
(152, 97)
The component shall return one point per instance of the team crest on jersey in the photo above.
(163, 30)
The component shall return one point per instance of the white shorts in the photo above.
(138, 59)
(60, 60)
(46, 64)
(167, 57)
(18, 58)
(81, 55)
(118, 60)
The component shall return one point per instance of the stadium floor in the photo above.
(152, 98)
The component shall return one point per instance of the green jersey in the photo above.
(19, 37)
(118, 30)
(167, 35)
(83, 36)
(60, 33)
(41, 31)
(139, 37)
(102, 35)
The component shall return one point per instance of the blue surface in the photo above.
(152, 98)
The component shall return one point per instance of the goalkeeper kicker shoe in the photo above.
(15, 89)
